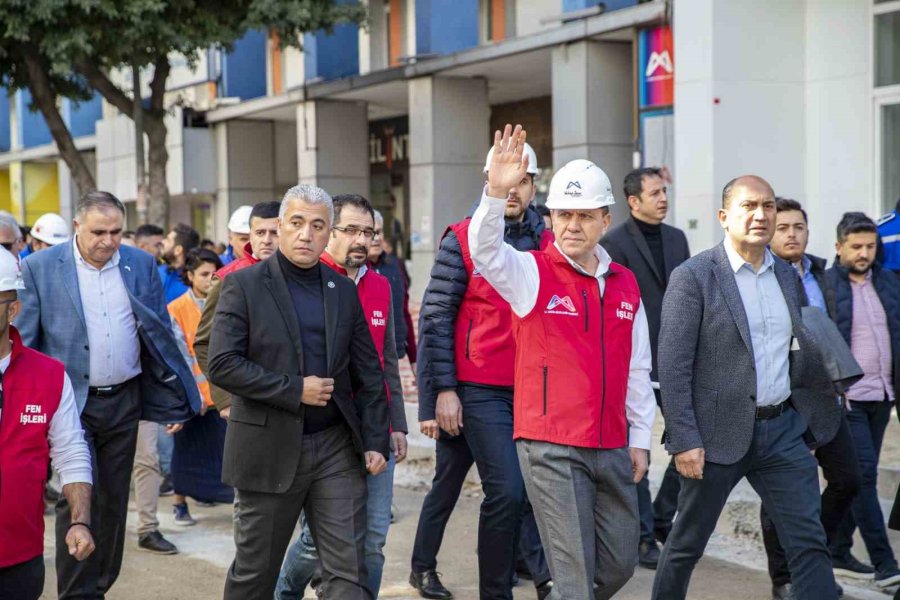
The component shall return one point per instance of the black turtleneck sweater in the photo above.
(653, 236)
(305, 286)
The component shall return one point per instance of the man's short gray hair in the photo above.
(309, 194)
(9, 223)
(379, 217)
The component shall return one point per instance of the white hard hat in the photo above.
(579, 185)
(240, 220)
(10, 276)
(50, 228)
(532, 160)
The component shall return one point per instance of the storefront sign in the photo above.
(389, 142)
(656, 64)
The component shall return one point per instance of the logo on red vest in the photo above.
(33, 415)
(553, 307)
(625, 311)
(378, 319)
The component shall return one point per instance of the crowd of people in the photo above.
(266, 373)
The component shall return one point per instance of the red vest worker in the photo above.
(584, 406)
(39, 423)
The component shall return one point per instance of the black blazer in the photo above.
(626, 245)
(255, 353)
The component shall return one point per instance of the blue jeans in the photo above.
(867, 421)
(302, 558)
(166, 445)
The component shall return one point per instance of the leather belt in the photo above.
(770, 412)
(107, 390)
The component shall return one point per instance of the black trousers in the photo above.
(110, 429)
(24, 581)
(841, 469)
(330, 488)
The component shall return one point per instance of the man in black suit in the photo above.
(309, 413)
(652, 250)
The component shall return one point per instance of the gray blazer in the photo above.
(706, 367)
(52, 322)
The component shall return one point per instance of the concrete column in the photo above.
(332, 146)
(739, 104)
(246, 168)
(593, 104)
(449, 135)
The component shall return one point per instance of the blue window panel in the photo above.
(4, 121)
(84, 116)
(446, 27)
(572, 5)
(332, 56)
(32, 126)
(244, 68)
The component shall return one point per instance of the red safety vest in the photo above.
(32, 388)
(574, 356)
(236, 265)
(374, 292)
(484, 344)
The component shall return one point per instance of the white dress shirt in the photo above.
(770, 325)
(115, 350)
(516, 278)
(69, 452)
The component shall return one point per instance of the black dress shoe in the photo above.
(544, 590)
(648, 554)
(429, 585)
(782, 592)
(155, 542)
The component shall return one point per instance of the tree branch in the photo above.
(103, 84)
(44, 97)
(158, 85)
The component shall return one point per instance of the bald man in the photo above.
(742, 383)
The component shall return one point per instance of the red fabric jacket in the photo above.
(484, 344)
(32, 388)
(236, 265)
(574, 356)
(375, 296)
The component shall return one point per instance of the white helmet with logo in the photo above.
(10, 276)
(50, 228)
(240, 219)
(579, 185)
(532, 160)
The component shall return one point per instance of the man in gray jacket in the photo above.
(742, 384)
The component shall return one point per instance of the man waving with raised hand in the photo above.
(583, 407)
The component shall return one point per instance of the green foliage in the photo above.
(119, 33)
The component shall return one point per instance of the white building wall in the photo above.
(528, 15)
(765, 88)
(840, 152)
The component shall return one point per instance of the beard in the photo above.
(855, 268)
(355, 263)
(514, 213)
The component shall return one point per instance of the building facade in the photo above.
(805, 93)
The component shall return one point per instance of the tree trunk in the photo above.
(157, 155)
(157, 158)
(45, 99)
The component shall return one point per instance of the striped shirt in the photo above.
(870, 343)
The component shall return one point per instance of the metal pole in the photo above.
(138, 117)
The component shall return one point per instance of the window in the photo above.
(890, 155)
(887, 49)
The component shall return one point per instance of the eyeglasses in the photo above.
(352, 231)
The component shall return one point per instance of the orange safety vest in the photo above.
(187, 314)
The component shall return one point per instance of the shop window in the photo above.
(887, 49)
